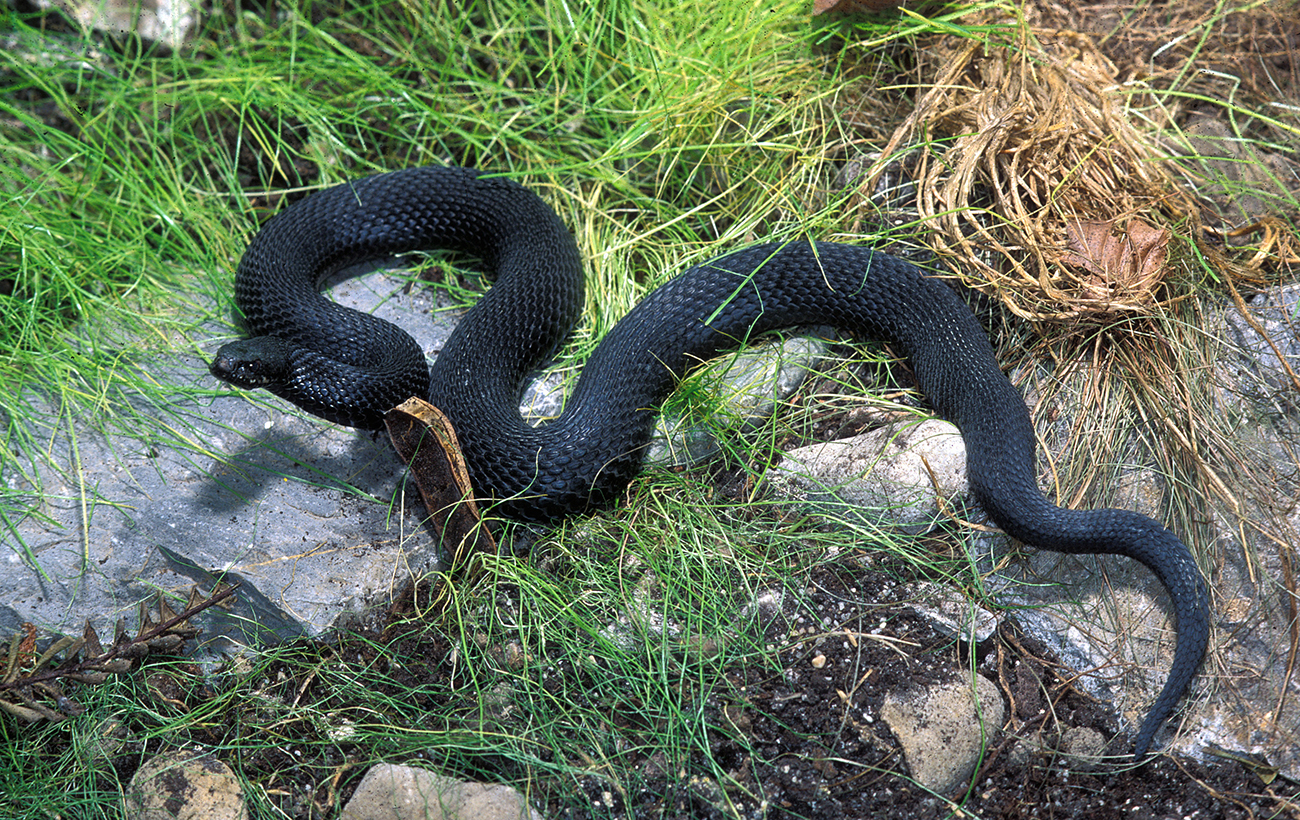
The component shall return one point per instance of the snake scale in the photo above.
(350, 368)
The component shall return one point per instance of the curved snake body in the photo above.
(351, 368)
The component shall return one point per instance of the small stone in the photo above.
(185, 786)
(1083, 748)
(749, 384)
(953, 614)
(389, 792)
(944, 730)
(886, 477)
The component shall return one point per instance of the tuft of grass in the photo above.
(135, 179)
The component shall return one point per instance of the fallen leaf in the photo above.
(1124, 262)
(426, 443)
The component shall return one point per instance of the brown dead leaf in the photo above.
(1124, 263)
(22, 650)
(426, 442)
(93, 647)
(28, 646)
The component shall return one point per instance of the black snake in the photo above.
(351, 368)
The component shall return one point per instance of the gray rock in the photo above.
(1267, 361)
(169, 22)
(211, 484)
(1108, 616)
(906, 477)
(747, 385)
(184, 786)
(952, 614)
(389, 792)
(944, 730)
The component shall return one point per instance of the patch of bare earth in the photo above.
(806, 740)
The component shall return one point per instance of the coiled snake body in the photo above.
(351, 368)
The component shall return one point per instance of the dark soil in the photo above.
(804, 738)
(793, 730)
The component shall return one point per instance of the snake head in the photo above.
(261, 361)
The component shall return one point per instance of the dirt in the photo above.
(802, 737)
(793, 731)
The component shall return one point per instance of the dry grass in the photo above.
(1070, 190)
(1046, 163)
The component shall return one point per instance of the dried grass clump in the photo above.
(1067, 188)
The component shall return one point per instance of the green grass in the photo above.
(557, 674)
(134, 187)
(662, 135)
(135, 179)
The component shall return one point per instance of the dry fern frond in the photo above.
(30, 688)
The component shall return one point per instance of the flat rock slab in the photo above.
(314, 521)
